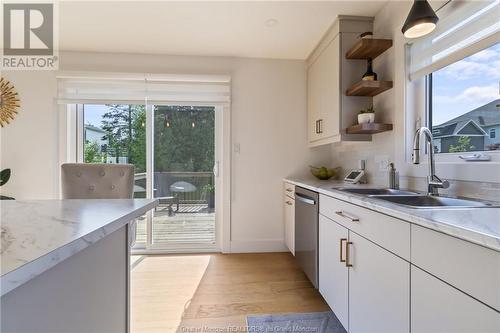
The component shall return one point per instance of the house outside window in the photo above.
(464, 108)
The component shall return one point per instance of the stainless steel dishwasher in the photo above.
(306, 232)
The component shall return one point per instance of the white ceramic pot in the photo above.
(365, 118)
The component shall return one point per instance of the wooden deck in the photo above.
(192, 224)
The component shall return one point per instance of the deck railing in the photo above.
(162, 182)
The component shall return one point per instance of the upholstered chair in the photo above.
(97, 181)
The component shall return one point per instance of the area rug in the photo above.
(315, 322)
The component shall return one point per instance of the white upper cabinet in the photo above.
(329, 75)
(323, 93)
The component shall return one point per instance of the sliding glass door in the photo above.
(183, 176)
(173, 149)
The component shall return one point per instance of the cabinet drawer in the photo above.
(390, 233)
(289, 190)
(439, 308)
(469, 267)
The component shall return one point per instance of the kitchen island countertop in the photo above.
(38, 234)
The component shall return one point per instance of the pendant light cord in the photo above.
(443, 5)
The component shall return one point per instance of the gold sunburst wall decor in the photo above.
(9, 102)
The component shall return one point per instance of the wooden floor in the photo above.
(203, 293)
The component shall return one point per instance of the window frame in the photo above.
(448, 165)
(448, 157)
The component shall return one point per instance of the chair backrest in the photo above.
(97, 181)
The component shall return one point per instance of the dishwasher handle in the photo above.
(305, 199)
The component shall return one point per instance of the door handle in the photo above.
(347, 264)
(216, 169)
(304, 199)
(342, 240)
(346, 216)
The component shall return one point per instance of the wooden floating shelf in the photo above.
(370, 128)
(368, 48)
(369, 88)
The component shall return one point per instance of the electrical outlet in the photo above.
(383, 162)
(384, 165)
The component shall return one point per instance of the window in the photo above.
(116, 133)
(464, 103)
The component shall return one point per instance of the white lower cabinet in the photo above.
(439, 308)
(333, 273)
(289, 215)
(471, 268)
(444, 285)
(379, 289)
(289, 205)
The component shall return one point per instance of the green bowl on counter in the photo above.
(324, 173)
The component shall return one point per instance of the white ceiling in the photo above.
(231, 28)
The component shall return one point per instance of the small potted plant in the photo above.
(209, 189)
(366, 116)
(4, 178)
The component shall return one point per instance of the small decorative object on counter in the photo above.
(366, 116)
(393, 177)
(370, 75)
(356, 176)
(366, 35)
(475, 157)
(324, 173)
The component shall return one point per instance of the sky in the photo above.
(466, 85)
(93, 114)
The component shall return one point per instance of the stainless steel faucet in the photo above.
(433, 181)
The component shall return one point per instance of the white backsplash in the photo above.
(478, 190)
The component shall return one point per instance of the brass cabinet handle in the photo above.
(289, 190)
(340, 248)
(320, 123)
(289, 203)
(317, 126)
(344, 215)
(347, 264)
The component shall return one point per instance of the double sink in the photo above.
(415, 199)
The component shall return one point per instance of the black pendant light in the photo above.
(420, 21)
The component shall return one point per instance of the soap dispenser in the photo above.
(393, 177)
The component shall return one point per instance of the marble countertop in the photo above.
(477, 225)
(36, 235)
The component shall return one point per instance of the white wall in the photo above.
(268, 121)
(392, 108)
(29, 144)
